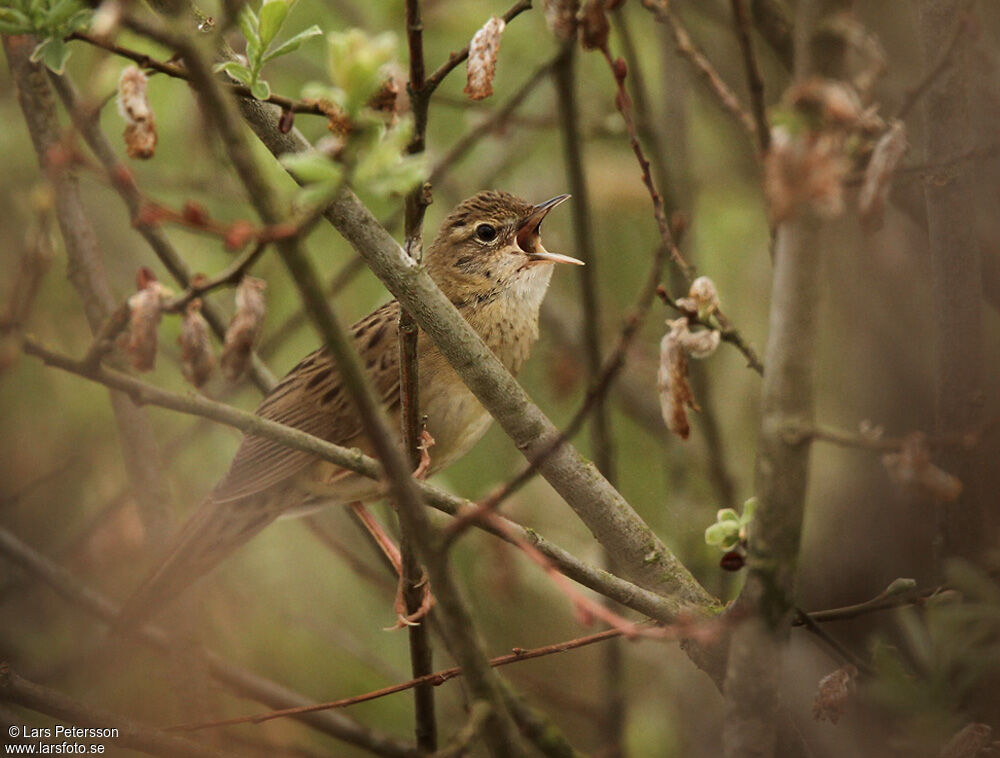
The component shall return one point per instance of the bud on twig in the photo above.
(805, 170)
(672, 380)
(140, 129)
(834, 690)
(145, 311)
(197, 359)
(594, 26)
(245, 327)
(560, 15)
(702, 298)
(911, 469)
(482, 61)
(968, 742)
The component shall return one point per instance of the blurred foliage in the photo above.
(50, 21)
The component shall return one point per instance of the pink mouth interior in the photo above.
(528, 237)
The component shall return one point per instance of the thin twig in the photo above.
(177, 71)
(755, 83)
(624, 105)
(494, 122)
(796, 434)
(803, 619)
(454, 59)
(664, 609)
(686, 47)
(435, 679)
(880, 602)
(726, 333)
(123, 182)
(564, 78)
(411, 576)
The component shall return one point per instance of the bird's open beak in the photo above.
(530, 241)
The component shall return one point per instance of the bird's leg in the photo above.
(383, 540)
(404, 617)
(391, 551)
(426, 443)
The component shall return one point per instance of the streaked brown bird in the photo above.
(489, 260)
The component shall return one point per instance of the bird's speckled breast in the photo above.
(509, 326)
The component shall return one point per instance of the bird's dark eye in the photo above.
(486, 232)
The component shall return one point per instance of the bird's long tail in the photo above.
(210, 534)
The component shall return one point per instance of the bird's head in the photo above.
(492, 243)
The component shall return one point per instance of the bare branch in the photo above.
(663, 609)
(435, 679)
(755, 82)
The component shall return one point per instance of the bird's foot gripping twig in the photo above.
(426, 443)
(403, 617)
(391, 551)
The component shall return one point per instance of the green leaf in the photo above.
(61, 12)
(900, 586)
(14, 22)
(260, 89)
(727, 514)
(312, 167)
(53, 53)
(272, 16)
(249, 26)
(238, 71)
(749, 507)
(722, 534)
(294, 43)
(317, 194)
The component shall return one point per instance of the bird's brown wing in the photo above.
(312, 398)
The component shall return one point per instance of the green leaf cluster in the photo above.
(355, 63)
(260, 31)
(50, 20)
(375, 162)
(730, 527)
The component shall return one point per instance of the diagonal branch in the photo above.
(500, 733)
(641, 554)
(663, 609)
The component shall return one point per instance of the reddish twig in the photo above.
(440, 677)
(586, 609)
(623, 102)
